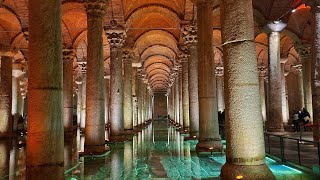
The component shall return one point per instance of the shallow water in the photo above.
(158, 152)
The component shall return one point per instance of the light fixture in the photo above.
(293, 10)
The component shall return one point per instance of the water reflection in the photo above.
(158, 151)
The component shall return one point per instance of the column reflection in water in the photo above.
(135, 151)
(21, 163)
(117, 162)
(128, 159)
(12, 163)
(187, 157)
(70, 152)
(181, 147)
(4, 158)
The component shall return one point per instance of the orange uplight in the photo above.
(239, 177)
(302, 6)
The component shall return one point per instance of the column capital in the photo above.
(219, 71)
(276, 26)
(183, 54)
(189, 34)
(116, 38)
(95, 8)
(68, 55)
(262, 70)
(298, 67)
(18, 69)
(83, 67)
(127, 57)
(304, 51)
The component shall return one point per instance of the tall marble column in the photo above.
(78, 81)
(285, 109)
(190, 36)
(185, 92)
(262, 70)
(135, 97)
(180, 98)
(107, 98)
(177, 99)
(209, 139)
(6, 95)
(127, 85)
(315, 72)
(68, 57)
(245, 152)
(83, 66)
(116, 40)
(275, 117)
(306, 59)
(220, 88)
(45, 93)
(95, 95)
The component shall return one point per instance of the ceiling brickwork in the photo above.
(153, 30)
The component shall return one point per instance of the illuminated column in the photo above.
(176, 97)
(116, 40)
(305, 56)
(262, 74)
(68, 57)
(6, 95)
(209, 139)
(95, 92)
(300, 85)
(185, 91)
(190, 36)
(78, 81)
(220, 92)
(245, 153)
(83, 67)
(315, 72)
(45, 91)
(135, 97)
(180, 98)
(139, 103)
(285, 110)
(107, 104)
(16, 94)
(275, 117)
(127, 85)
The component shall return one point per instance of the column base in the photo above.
(128, 131)
(209, 145)
(184, 130)
(95, 150)
(117, 138)
(137, 129)
(46, 171)
(193, 136)
(231, 171)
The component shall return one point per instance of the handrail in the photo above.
(282, 147)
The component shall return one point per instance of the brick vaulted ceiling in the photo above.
(154, 30)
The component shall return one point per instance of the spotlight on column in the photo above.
(293, 10)
(239, 177)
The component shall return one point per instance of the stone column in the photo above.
(209, 139)
(190, 36)
(127, 101)
(185, 92)
(116, 40)
(300, 85)
(177, 100)
(180, 98)
(6, 95)
(68, 57)
(78, 81)
(107, 105)
(275, 118)
(45, 93)
(285, 110)
(83, 96)
(262, 70)
(135, 97)
(16, 94)
(220, 89)
(315, 72)
(95, 95)
(245, 153)
(305, 56)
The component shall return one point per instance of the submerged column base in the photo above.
(117, 138)
(232, 171)
(95, 149)
(209, 145)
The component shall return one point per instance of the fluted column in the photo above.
(190, 37)
(185, 92)
(275, 117)
(262, 74)
(209, 139)
(116, 40)
(245, 153)
(45, 94)
(127, 85)
(220, 89)
(95, 95)
(315, 72)
(6, 96)
(68, 56)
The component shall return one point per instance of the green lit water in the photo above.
(159, 152)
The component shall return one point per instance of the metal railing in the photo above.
(298, 151)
